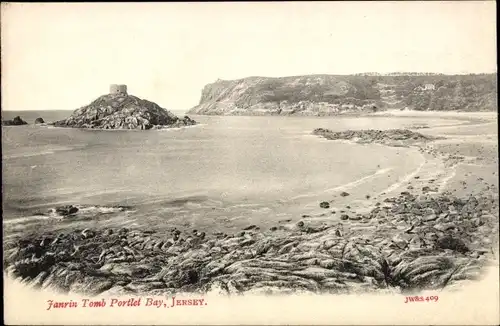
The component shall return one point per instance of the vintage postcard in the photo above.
(250, 163)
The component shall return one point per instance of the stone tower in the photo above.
(117, 89)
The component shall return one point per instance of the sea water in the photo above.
(226, 172)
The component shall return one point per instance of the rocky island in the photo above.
(17, 121)
(325, 95)
(119, 110)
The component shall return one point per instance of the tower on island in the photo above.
(117, 89)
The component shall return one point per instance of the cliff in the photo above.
(475, 92)
(301, 95)
(123, 111)
(317, 95)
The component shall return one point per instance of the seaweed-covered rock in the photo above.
(324, 204)
(452, 243)
(66, 210)
(392, 137)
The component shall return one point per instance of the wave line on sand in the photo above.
(400, 182)
(346, 185)
(26, 219)
(446, 179)
(46, 152)
(12, 156)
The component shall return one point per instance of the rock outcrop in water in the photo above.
(39, 120)
(409, 243)
(391, 137)
(123, 111)
(320, 95)
(80, 212)
(17, 121)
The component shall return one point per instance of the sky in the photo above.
(61, 56)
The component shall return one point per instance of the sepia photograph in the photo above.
(277, 163)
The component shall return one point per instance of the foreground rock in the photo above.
(122, 111)
(17, 121)
(392, 137)
(409, 244)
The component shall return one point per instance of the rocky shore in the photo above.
(123, 111)
(405, 244)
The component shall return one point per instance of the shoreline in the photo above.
(306, 255)
(466, 115)
(127, 130)
(50, 126)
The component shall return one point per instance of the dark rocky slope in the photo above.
(123, 111)
(319, 95)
